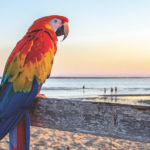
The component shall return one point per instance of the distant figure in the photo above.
(83, 88)
(104, 90)
(116, 90)
(111, 90)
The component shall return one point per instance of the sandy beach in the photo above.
(48, 139)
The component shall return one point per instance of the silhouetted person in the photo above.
(111, 90)
(83, 88)
(116, 90)
(104, 90)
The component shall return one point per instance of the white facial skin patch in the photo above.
(55, 23)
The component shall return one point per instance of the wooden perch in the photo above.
(98, 118)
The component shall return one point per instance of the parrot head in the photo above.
(57, 25)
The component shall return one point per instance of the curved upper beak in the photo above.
(63, 30)
(66, 30)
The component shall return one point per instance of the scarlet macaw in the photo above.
(27, 68)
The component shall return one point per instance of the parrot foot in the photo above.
(41, 96)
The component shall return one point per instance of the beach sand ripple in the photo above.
(48, 139)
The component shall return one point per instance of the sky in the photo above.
(108, 38)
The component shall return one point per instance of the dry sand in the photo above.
(48, 139)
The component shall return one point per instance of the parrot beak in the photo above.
(63, 30)
(66, 30)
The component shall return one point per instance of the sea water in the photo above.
(73, 87)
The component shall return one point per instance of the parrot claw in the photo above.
(41, 96)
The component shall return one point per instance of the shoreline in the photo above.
(120, 95)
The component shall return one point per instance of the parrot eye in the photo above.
(55, 21)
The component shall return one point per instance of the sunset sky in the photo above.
(107, 38)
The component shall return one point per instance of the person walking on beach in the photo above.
(83, 88)
(104, 91)
(111, 90)
(116, 90)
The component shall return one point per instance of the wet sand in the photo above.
(48, 139)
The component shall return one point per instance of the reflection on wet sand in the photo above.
(142, 100)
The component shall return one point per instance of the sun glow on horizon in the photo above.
(112, 39)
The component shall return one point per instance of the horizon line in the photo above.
(96, 77)
(99, 77)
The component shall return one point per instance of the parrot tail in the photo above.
(20, 135)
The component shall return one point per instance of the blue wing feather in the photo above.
(13, 105)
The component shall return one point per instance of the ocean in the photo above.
(73, 87)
